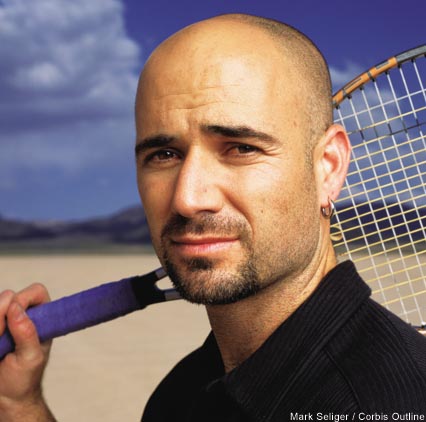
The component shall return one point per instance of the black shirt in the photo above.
(340, 356)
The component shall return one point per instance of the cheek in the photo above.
(265, 189)
(280, 203)
(156, 198)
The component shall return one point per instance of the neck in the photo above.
(242, 327)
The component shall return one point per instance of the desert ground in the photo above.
(107, 373)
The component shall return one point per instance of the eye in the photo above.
(161, 157)
(243, 149)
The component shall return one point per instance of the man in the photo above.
(238, 163)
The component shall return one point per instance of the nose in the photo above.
(198, 188)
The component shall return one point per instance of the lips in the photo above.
(206, 245)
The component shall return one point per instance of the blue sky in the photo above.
(68, 74)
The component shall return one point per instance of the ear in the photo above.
(332, 155)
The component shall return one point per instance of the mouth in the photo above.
(202, 246)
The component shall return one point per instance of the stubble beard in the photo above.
(205, 285)
(199, 280)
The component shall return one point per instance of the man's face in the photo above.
(222, 171)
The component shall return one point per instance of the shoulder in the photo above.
(174, 394)
(383, 359)
(168, 393)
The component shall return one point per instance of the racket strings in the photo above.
(395, 260)
(375, 233)
(382, 150)
(352, 200)
(419, 80)
(404, 171)
(387, 149)
(378, 209)
(361, 112)
(402, 181)
(381, 217)
(403, 283)
(361, 250)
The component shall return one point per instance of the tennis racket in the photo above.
(94, 306)
(381, 212)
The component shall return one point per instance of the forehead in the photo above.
(216, 78)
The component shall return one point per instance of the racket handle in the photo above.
(90, 307)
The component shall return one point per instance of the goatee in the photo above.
(198, 280)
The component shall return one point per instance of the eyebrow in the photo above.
(238, 132)
(156, 141)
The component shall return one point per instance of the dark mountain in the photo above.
(377, 222)
(127, 227)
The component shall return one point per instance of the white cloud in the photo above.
(341, 76)
(62, 56)
(85, 146)
(68, 76)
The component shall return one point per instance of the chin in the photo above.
(204, 284)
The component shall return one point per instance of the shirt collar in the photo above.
(260, 382)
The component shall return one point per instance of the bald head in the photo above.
(227, 112)
(315, 83)
(287, 57)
